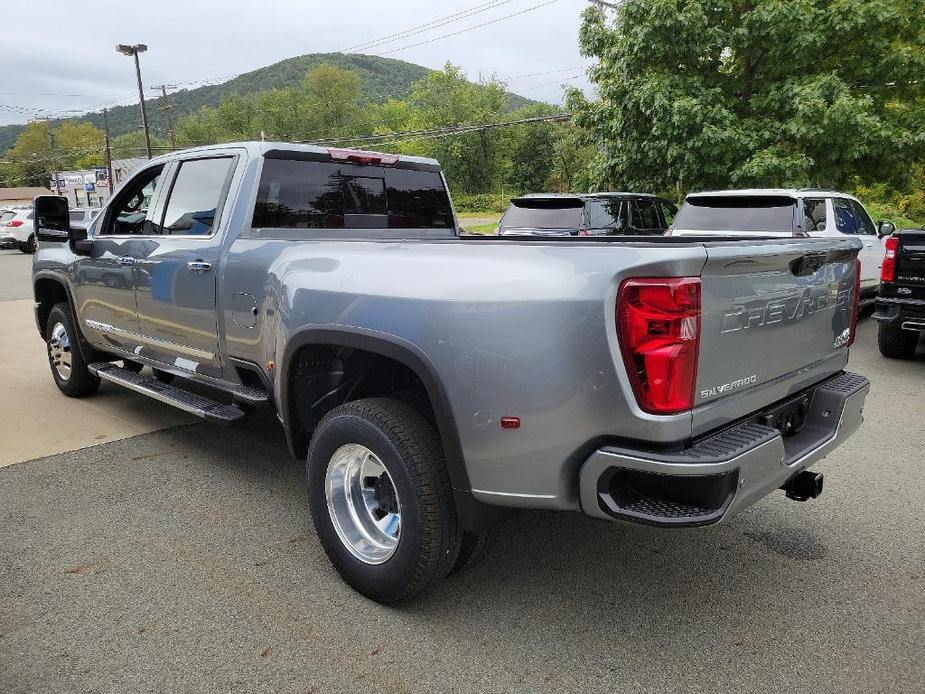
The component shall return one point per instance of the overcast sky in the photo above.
(61, 56)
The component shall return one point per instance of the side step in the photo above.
(198, 405)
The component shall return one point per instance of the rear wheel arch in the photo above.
(305, 343)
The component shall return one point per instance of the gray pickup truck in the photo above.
(432, 380)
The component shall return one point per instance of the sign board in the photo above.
(90, 187)
(102, 178)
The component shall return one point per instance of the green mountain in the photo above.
(383, 78)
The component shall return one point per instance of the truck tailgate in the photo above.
(775, 319)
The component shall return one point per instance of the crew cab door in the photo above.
(105, 277)
(177, 265)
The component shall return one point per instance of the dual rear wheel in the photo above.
(381, 500)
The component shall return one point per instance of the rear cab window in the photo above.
(560, 214)
(296, 193)
(755, 213)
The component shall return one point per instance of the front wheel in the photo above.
(896, 343)
(380, 498)
(68, 367)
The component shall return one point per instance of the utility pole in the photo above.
(54, 159)
(134, 50)
(112, 183)
(167, 107)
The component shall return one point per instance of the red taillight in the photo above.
(658, 324)
(14, 223)
(358, 157)
(855, 307)
(888, 269)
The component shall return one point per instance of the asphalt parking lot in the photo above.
(183, 559)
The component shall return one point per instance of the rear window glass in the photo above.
(645, 215)
(737, 213)
(6, 216)
(604, 214)
(518, 217)
(324, 195)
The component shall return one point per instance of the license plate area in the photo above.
(788, 417)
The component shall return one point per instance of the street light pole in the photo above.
(134, 50)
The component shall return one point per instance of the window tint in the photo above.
(845, 220)
(644, 215)
(131, 213)
(736, 213)
(865, 223)
(520, 217)
(814, 214)
(325, 195)
(605, 214)
(195, 196)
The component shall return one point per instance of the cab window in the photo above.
(196, 196)
(814, 214)
(131, 213)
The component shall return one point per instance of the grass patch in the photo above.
(481, 228)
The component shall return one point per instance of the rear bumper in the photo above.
(8, 242)
(723, 473)
(908, 314)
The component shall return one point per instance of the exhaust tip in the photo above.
(804, 486)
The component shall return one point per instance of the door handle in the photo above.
(125, 261)
(198, 266)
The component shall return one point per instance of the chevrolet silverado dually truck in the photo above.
(431, 380)
(900, 307)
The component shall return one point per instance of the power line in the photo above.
(472, 28)
(427, 26)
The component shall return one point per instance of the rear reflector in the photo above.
(888, 269)
(359, 157)
(658, 325)
(855, 308)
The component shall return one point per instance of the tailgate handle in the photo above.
(807, 264)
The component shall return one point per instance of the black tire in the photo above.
(472, 550)
(79, 381)
(29, 246)
(411, 452)
(896, 343)
(163, 376)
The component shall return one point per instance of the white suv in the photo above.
(16, 230)
(788, 212)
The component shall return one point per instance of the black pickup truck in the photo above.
(901, 302)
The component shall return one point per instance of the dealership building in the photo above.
(91, 187)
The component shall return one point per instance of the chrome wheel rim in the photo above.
(59, 351)
(363, 503)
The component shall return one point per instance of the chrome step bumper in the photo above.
(723, 473)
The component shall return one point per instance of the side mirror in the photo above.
(52, 221)
(885, 229)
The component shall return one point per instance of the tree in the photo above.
(472, 161)
(132, 145)
(31, 160)
(701, 94)
(333, 97)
